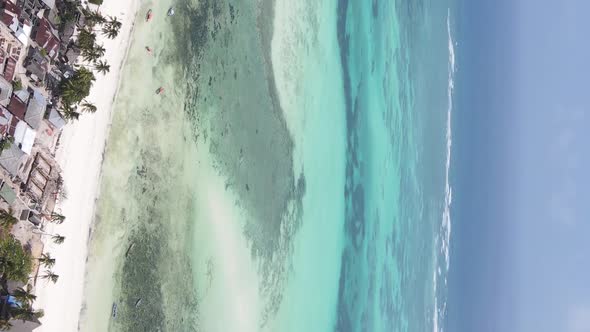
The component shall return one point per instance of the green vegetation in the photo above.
(6, 143)
(7, 220)
(46, 260)
(50, 276)
(15, 262)
(5, 325)
(17, 84)
(26, 313)
(25, 295)
(76, 88)
(43, 52)
(58, 239)
(88, 107)
(67, 14)
(69, 113)
(86, 40)
(57, 218)
(111, 27)
(102, 66)
(93, 17)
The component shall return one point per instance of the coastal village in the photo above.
(49, 57)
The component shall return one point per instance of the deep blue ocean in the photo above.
(398, 66)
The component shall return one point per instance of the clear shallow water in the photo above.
(293, 176)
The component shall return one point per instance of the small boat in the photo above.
(160, 90)
(148, 16)
(114, 310)
(148, 49)
(170, 12)
(129, 249)
(138, 302)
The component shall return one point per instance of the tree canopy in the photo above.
(50, 276)
(15, 262)
(47, 260)
(7, 220)
(93, 17)
(102, 66)
(25, 295)
(77, 87)
(26, 313)
(86, 40)
(58, 239)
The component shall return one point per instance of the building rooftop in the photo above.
(5, 120)
(23, 95)
(11, 159)
(49, 3)
(9, 69)
(37, 71)
(23, 32)
(7, 194)
(24, 137)
(5, 91)
(9, 13)
(18, 106)
(47, 37)
(36, 109)
(72, 54)
(55, 119)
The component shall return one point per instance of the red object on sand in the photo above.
(148, 17)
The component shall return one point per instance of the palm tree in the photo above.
(88, 107)
(7, 219)
(26, 314)
(68, 113)
(57, 218)
(47, 260)
(99, 49)
(86, 40)
(91, 55)
(58, 239)
(93, 16)
(114, 23)
(50, 276)
(102, 66)
(5, 325)
(25, 296)
(110, 32)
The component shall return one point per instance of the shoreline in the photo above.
(81, 155)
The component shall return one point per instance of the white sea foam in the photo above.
(445, 227)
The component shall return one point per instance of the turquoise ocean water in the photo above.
(293, 177)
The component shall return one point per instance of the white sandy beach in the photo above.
(80, 155)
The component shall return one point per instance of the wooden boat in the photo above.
(129, 249)
(114, 310)
(148, 16)
(170, 12)
(160, 90)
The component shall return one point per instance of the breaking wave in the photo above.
(442, 241)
